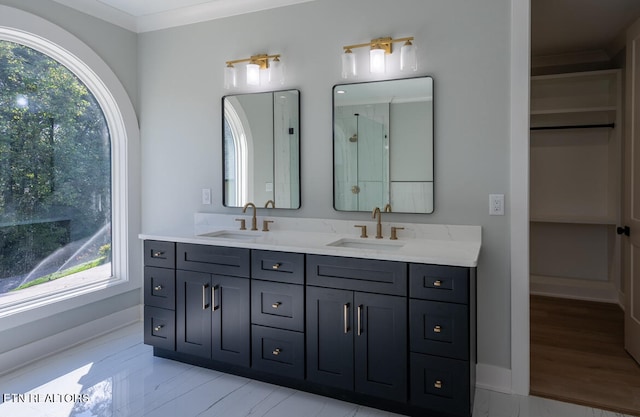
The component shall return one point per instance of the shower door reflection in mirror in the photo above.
(261, 149)
(383, 145)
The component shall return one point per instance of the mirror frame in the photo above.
(299, 153)
(432, 145)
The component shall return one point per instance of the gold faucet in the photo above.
(253, 219)
(273, 204)
(376, 211)
(387, 208)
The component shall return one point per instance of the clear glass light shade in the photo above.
(408, 57)
(348, 65)
(253, 74)
(376, 61)
(229, 77)
(276, 72)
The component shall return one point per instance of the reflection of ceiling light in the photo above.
(256, 64)
(340, 91)
(379, 49)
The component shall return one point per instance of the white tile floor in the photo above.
(117, 376)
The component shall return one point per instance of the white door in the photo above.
(631, 210)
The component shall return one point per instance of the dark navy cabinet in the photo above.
(393, 335)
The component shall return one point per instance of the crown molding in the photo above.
(209, 10)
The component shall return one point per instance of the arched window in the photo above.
(65, 127)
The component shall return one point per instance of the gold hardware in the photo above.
(157, 254)
(387, 208)
(157, 288)
(437, 384)
(157, 328)
(276, 266)
(345, 314)
(265, 225)
(204, 296)
(243, 224)
(379, 43)
(355, 189)
(359, 319)
(376, 212)
(273, 204)
(437, 283)
(276, 352)
(262, 60)
(394, 234)
(276, 305)
(363, 228)
(253, 219)
(437, 329)
(213, 299)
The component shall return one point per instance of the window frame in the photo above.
(39, 34)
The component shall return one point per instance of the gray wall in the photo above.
(463, 44)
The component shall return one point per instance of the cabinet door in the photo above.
(231, 320)
(381, 346)
(330, 337)
(193, 313)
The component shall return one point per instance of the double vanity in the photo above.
(309, 304)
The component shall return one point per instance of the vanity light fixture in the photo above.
(255, 65)
(379, 48)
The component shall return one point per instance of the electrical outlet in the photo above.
(496, 204)
(206, 196)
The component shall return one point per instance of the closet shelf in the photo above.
(575, 126)
(600, 109)
(594, 220)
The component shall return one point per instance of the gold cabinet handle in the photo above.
(213, 299)
(345, 314)
(157, 328)
(204, 296)
(437, 329)
(437, 384)
(276, 304)
(276, 266)
(359, 319)
(437, 283)
(157, 254)
(157, 288)
(276, 351)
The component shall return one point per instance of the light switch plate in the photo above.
(206, 196)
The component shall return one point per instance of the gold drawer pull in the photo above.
(276, 352)
(438, 384)
(437, 329)
(157, 328)
(437, 283)
(157, 254)
(157, 288)
(276, 266)
(276, 305)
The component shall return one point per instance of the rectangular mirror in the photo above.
(261, 149)
(383, 145)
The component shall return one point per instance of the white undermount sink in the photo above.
(366, 244)
(232, 234)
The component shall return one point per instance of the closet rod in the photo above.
(609, 125)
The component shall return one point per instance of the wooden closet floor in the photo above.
(578, 356)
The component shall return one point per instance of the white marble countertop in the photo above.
(421, 243)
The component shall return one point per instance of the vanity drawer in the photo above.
(440, 329)
(441, 384)
(160, 254)
(160, 327)
(277, 305)
(213, 259)
(439, 283)
(278, 266)
(160, 287)
(277, 351)
(369, 275)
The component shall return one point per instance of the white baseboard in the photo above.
(493, 378)
(17, 358)
(577, 289)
